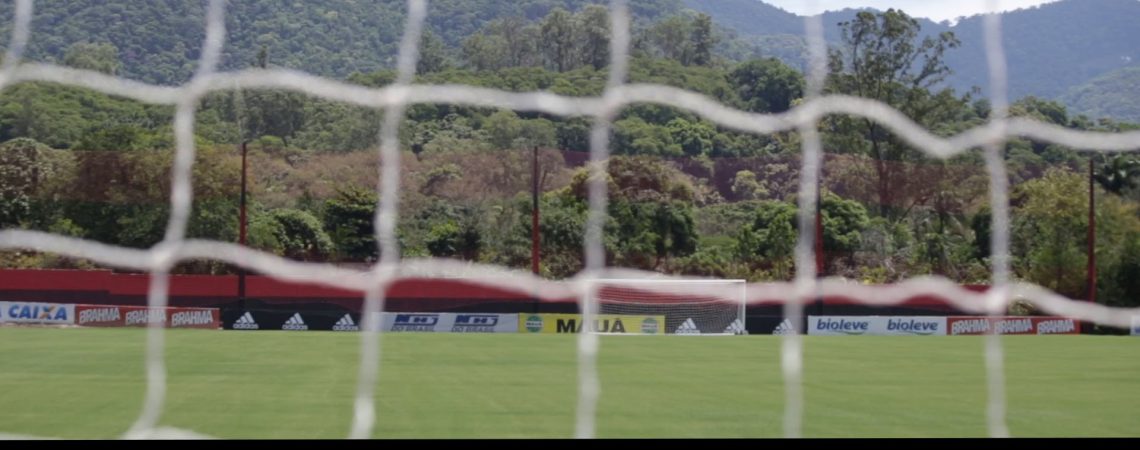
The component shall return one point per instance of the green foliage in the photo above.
(745, 186)
(1112, 94)
(769, 240)
(98, 57)
(503, 127)
(30, 173)
(348, 219)
(843, 222)
(448, 239)
(767, 85)
(695, 139)
(294, 233)
(643, 234)
(62, 117)
(1049, 228)
(1118, 174)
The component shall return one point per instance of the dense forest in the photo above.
(1113, 94)
(1052, 49)
(686, 195)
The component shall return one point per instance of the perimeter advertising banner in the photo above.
(603, 323)
(141, 316)
(876, 326)
(451, 322)
(37, 313)
(1012, 325)
(389, 322)
(939, 326)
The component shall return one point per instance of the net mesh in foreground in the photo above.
(394, 98)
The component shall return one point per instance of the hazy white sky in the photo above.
(937, 10)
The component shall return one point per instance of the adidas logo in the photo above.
(295, 323)
(784, 327)
(688, 327)
(345, 324)
(736, 327)
(245, 322)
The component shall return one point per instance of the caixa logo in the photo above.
(41, 312)
(912, 326)
(844, 326)
(478, 323)
(415, 322)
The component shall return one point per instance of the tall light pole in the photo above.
(819, 259)
(1091, 239)
(242, 227)
(534, 236)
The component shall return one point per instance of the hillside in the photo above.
(159, 41)
(1113, 94)
(1051, 49)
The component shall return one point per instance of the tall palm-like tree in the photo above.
(1118, 173)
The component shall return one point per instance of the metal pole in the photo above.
(534, 235)
(819, 257)
(1091, 241)
(242, 227)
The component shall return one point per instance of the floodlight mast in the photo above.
(242, 225)
(534, 235)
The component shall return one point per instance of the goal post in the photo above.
(688, 307)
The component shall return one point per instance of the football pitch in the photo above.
(89, 383)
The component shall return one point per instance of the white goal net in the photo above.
(686, 307)
(394, 98)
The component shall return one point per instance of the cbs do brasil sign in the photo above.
(450, 322)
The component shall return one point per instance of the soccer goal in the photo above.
(681, 306)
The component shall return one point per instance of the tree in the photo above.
(559, 38)
(270, 112)
(593, 24)
(536, 133)
(843, 222)
(349, 222)
(452, 238)
(433, 54)
(650, 215)
(669, 38)
(882, 59)
(520, 38)
(503, 127)
(101, 57)
(767, 85)
(767, 242)
(703, 40)
(645, 234)
(1050, 222)
(483, 52)
(296, 234)
(116, 138)
(745, 186)
(1118, 174)
(695, 138)
(638, 179)
(30, 173)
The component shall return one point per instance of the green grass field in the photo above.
(88, 383)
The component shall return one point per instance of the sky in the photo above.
(937, 10)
